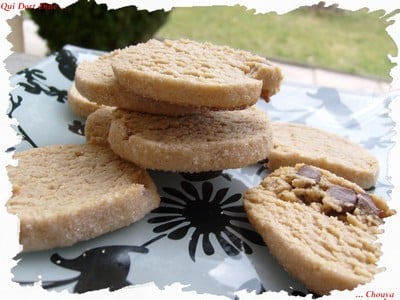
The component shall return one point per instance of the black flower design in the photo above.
(15, 103)
(99, 268)
(298, 293)
(35, 84)
(67, 63)
(208, 214)
(263, 166)
(201, 176)
(77, 127)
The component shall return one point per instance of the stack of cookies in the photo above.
(180, 105)
(172, 106)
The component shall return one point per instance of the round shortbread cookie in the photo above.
(63, 194)
(79, 104)
(199, 74)
(96, 81)
(320, 227)
(97, 126)
(297, 143)
(209, 141)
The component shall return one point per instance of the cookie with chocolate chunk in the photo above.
(297, 143)
(321, 227)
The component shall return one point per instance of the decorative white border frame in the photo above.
(385, 282)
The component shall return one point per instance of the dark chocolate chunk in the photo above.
(366, 204)
(346, 198)
(309, 172)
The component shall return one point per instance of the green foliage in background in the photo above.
(353, 42)
(91, 25)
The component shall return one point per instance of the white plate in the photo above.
(200, 236)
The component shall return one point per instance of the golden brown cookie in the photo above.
(214, 140)
(79, 104)
(95, 80)
(186, 72)
(64, 194)
(297, 143)
(98, 125)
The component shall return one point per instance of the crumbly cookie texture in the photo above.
(200, 74)
(95, 80)
(79, 104)
(321, 228)
(98, 125)
(209, 141)
(63, 194)
(297, 143)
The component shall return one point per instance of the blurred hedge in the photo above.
(91, 25)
